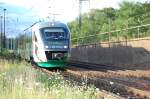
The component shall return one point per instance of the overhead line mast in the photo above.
(80, 11)
(4, 29)
(1, 17)
(80, 15)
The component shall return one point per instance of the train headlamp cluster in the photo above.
(52, 24)
(46, 46)
(65, 46)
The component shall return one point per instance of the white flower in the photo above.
(21, 80)
(107, 97)
(83, 83)
(16, 81)
(29, 88)
(56, 91)
(97, 89)
(37, 83)
(111, 82)
(3, 74)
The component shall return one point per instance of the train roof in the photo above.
(50, 24)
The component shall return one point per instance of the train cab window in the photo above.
(54, 33)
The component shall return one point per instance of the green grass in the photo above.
(19, 81)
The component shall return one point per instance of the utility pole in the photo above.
(80, 11)
(4, 29)
(1, 17)
(80, 15)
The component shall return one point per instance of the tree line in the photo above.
(99, 21)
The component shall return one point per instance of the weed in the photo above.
(20, 81)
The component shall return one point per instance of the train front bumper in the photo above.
(53, 63)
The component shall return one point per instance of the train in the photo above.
(46, 44)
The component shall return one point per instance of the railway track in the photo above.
(126, 87)
(108, 85)
(132, 87)
(73, 77)
(93, 66)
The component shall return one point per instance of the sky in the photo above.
(21, 14)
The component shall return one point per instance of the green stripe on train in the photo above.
(53, 63)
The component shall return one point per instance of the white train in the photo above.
(46, 43)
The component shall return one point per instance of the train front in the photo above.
(56, 41)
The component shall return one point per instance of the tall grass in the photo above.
(19, 81)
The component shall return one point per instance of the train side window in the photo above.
(34, 37)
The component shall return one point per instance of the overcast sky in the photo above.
(22, 13)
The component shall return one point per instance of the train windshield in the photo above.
(54, 33)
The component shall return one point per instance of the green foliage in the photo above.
(97, 22)
(20, 81)
(7, 54)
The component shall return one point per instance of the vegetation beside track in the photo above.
(111, 24)
(19, 81)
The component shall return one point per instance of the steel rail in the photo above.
(93, 66)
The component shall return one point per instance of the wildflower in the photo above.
(111, 82)
(107, 96)
(58, 73)
(83, 83)
(29, 88)
(16, 81)
(37, 84)
(3, 74)
(21, 80)
(56, 91)
(118, 93)
(97, 89)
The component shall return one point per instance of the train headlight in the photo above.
(52, 24)
(46, 46)
(65, 46)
